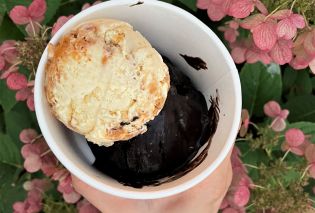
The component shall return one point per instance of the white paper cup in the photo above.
(172, 31)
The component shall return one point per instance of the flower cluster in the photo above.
(37, 157)
(15, 55)
(238, 194)
(281, 36)
(35, 194)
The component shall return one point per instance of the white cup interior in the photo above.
(172, 31)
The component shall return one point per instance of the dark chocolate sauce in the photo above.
(196, 62)
(165, 152)
(138, 3)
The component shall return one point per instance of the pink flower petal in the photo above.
(278, 124)
(229, 210)
(309, 45)
(261, 7)
(60, 22)
(30, 103)
(238, 54)
(16, 81)
(284, 114)
(310, 153)
(215, 12)
(72, 197)
(312, 66)
(252, 21)
(49, 164)
(224, 204)
(60, 174)
(298, 20)
(282, 14)
(32, 163)
(203, 4)
(37, 10)
(297, 151)
(19, 15)
(312, 171)
(281, 53)
(23, 94)
(7, 72)
(241, 8)
(264, 35)
(85, 6)
(32, 29)
(2, 62)
(286, 29)
(28, 149)
(8, 50)
(272, 109)
(239, 196)
(41, 185)
(254, 54)
(27, 135)
(19, 207)
(233, 24)
(294, 137)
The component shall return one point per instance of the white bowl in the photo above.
(172, 31)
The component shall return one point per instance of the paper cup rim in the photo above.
(121, 192)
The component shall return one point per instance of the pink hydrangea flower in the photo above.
(295, 141)
(273, 110)
(28, 135)
(239, 50)
(59, 23)
(230, 31)
(85, 206)
(245, 122)
(243, 8)
(33, 202)
(16, 81)
(8, 53)
(255, 54)
(67, 190)
(216, 9)
(35, 12)
(263, 29)
(238, 196)
(281, 53)
(304, 51)
(38, 156)
(310, 157)
(288, 24)
(87, 5)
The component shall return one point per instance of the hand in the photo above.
(206, 197)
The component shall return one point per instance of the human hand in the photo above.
(205, 197)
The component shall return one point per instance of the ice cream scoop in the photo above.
(104, 80)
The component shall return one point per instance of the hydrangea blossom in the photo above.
(295, 141)
(273, 110)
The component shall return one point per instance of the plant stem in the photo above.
(304, 172)
(292, 5)
(285, 155)
(251, 166)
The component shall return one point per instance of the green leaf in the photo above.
(11, 189)
(296, 82)
(3, 10)
(260, 83)
(7, 97)
(9, 31)
(307, 127)
(191, 4)
(9, 152)
(52, 7)
(18, 119)
(302, 108)
(313, 82)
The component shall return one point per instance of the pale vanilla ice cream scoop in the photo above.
(105, 81)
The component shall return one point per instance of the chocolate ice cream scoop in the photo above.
(171, 142)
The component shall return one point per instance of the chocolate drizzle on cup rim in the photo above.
(176, 142)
